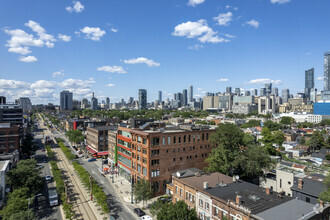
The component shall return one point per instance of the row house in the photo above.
(219, 196)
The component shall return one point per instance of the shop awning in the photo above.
(102, 153)
(91, 150)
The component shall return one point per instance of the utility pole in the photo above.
(91, 186)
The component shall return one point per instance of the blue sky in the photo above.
(116, 47)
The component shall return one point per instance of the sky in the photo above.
(115, 47)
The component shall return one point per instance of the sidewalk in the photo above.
(123, 190)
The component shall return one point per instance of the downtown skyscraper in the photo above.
(309, 82)
(191, 94)
(66, 100)
(142, 99)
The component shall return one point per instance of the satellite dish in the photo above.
(237, 177)
(7, 190)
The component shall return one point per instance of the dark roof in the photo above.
(318, 155)
(286, 164)
(105, 128)
(291, 210)
(253, 197)
(188, 172)
(311, 186)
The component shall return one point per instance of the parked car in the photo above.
(146, 217)
(48, 178)
(43, 149)
(92, 159)
(139, 212)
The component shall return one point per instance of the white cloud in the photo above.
(77, 7)
(198, 29)
(222, 80)
(320, 78)
(13, 84)
(193, 3)
(114, 30)
(28, 59)
(196, 47)
(231, 7)
(264, 81)
(20, 50)
(142, 60)
(64, 37)
(44, 84)
(200, 89)
(279, 1)
(229, 35)
(224, 18)
(47, 38)
(58, 73)
(93, 33)
(111, 85)
(253, 23)
(76, 83)
(112, 69)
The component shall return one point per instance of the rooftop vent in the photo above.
(205, 185)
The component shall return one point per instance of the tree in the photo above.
(268, 140)
(302, 140)
(279, 137)
(317, 141)
(287, 120)
(251, 123)
(75, 136)
(248, 139)
(177, 211)
(305, 125)
(27, 145)
(325, 195)
(273, 126)
(143, 190)
(25, 175)
(17, 202)
(234, 151)
(325, 122)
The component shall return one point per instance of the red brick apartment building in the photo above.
(9, 138)
(155, 151)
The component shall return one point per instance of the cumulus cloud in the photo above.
(193, 3)
(93, 33)
(77, 7)
(320, 78)
(264, 81)
(28, 59)
(112, 69)
(21, 41)
(253, 23)
(200, 30)
(224, 19)
(114, 30)
(144, 60)
(222, 80)
(279, 1)
(64, 37)
(58, 73)
(200, 89)
(13, 84)
(111, 85)
(196, 47)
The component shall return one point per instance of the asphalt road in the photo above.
(117, 208)
(44, 211)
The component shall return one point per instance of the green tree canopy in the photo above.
(177, 211)
(25, 175)
(251, 123)
(273, 126)
(236, 154)
(305, 125)
(287, 120)
(143, 190)
(317, 141)
(325, 122)
(75, 136)
(325, 195)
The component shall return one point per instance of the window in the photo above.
(308, 199)
(139, 149)
(202, 137)
(176, 189)
(168, 140)
(216, 211)
(144, 160)
(163, 140)
(184, 149)
(139, 168)
(154, 162)
(144, 171)
(173, 150)
(180, 158)
(184, 138)
(179, 139)
(180, 192)
(155, 141)
(207, 206)
(201, 203)
(138, 158)
(154, 152)
(178, 149)
(201, 147)
(189, 138)
(207, 136)
(144, 141)
(187, 197)
(280, 183)
(144, 151)
(289, 182)
(166, 151)
(173, 159)
(198, 137)
(174, 140)
(154, 173)
(193, 138)
(139, 139)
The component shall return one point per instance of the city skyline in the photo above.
(176, 42)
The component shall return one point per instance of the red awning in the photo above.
(91, 150)
(102, 153)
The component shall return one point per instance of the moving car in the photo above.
(92, 159)
(48, 178)
(139, 212)
(52, 197)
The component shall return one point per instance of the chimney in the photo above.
(205, 185)
(300, 183)
(234, 179)
(238, 199)
(267, 191)
(321, 204)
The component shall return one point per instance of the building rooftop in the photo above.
(4, 164)
(213, 179)
(105, 128)
(290, 210)
(312, 185)
(252, 196)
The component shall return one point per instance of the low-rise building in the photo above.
(9, 138)
(97, 139)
